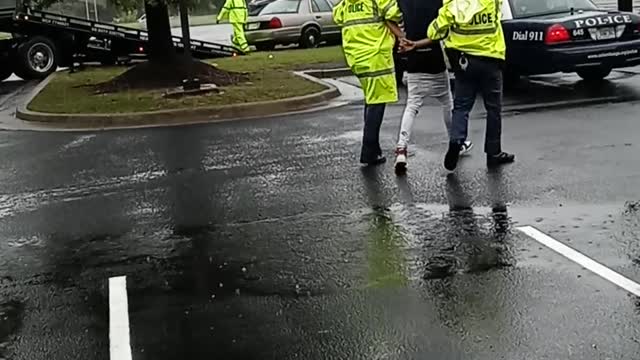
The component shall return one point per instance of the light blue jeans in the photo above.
(421, 85)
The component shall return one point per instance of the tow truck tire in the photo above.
(36, 58)
(6, 68)
(595, 74)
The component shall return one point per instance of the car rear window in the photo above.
(529, 8)
(281, 7)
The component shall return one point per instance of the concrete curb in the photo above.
(179, 116)
(330, 73)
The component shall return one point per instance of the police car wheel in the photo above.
(595, 74)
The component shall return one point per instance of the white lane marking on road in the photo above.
(119, 342)
(586, 262)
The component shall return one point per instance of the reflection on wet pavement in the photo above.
(457, 241)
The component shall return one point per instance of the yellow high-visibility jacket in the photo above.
(473, 27)
(368, 45)
(235, 11)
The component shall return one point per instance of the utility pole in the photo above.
(625, 5)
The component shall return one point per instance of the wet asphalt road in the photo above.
(264, 239)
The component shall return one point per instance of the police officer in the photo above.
(476, 51)
(235, 11)
(368, 29)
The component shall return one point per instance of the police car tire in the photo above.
(310, 37)
(596, 74)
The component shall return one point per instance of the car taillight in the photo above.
(556, 34)
(275, 23)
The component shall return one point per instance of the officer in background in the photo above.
(368, 29)
(235, 11)
(476, 51)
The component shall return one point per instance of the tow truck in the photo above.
(43, 41)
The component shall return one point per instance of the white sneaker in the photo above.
(466, 148)
(401, 160)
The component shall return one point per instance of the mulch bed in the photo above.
(154, 75)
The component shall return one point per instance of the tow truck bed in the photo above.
(54, 40)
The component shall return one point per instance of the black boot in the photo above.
(500, 159)
(371, 154)
(451, 158)
(380, 159)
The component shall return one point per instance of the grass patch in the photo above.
(320, 58)
(270, 79)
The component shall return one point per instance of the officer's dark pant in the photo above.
(484, 76)
(373, 115)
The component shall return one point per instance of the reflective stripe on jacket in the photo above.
(368, 45)
(235, 11)
(473, 27)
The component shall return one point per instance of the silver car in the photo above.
(284, 22)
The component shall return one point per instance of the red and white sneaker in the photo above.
(401, 160)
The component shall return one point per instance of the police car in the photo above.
(549, 36)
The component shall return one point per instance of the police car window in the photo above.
(320, 6)
(281, 7)
(528, 8)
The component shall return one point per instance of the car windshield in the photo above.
(528, 8)
(281, 7)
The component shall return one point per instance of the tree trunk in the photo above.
(161, 48)
(165, 69)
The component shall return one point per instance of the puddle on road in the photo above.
(440, 244)
(317, 255)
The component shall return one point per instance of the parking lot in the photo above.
(264, 239)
